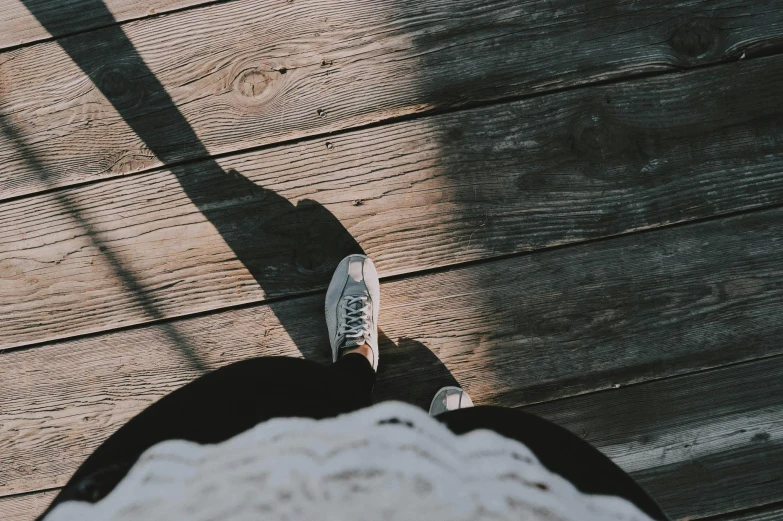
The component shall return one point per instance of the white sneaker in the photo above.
(352, 303)
(449, 399)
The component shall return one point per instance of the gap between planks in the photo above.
(20, 28)
(718, 430)
(416, 196)
(189, 91)
(25, 507)
(512, 332)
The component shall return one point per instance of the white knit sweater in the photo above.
(388, 462)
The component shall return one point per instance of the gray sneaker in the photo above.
(352, 303)
(449, 399)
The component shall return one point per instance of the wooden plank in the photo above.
(512, 332)
(771, 513)
(720, 430)
(19, 27)
(646, 429)
(25, 507)
(252, 72)
(701, 444)
(661, 432)
(415, 195)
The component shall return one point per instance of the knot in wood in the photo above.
(596, 137)
(251, 83)
(121, 83)
(695, 38)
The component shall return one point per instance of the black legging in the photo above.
(232, 399)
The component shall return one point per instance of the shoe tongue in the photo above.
(354, 306)
(355, 269)
(354, 289)
(348, 343)
(354, 286)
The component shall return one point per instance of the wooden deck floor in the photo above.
(575, 207)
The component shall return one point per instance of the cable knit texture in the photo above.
(390, 462)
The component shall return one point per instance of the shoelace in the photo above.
(357, 318)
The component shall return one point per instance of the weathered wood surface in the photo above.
(701, 444)
(717, 431)
(770, 513)
(433, 192)
(18, 26)
(173, 87)
(512, 332)
(26, 507)
(458, 187)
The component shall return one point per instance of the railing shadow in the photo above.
(284, 247)
(121, 272)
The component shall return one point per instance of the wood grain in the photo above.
(18, 26)
(662, 432)
(128, 98)
(415, 195)
(701, 444)
(512, 332)
(25, 507)
(770, 513)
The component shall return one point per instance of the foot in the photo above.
(352, 303)
(449, 399)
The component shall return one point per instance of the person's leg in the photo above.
(233, 399)
(357, 367)
(222, 404)
(559, 450)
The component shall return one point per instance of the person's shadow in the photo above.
(286, 248)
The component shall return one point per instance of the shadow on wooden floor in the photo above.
(302, 244)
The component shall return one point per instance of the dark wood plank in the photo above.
(700, 444)
(25, 507)
(512, 332)
(18, 26)
(666, 433)
(415, 195)
(240, 74)
(770, 513)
